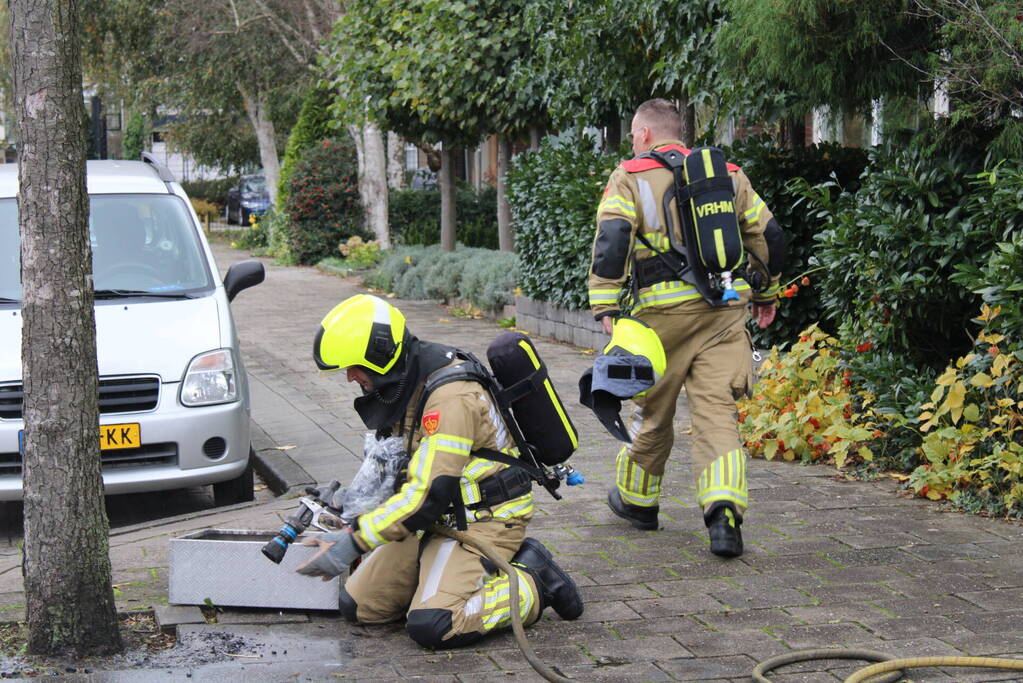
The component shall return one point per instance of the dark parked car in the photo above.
(248, 198)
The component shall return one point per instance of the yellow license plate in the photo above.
(112, 437)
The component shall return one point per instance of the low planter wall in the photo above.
(547, 320)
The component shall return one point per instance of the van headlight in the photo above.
(210, 379)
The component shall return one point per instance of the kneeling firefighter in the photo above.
(698, 246)
(449, 593)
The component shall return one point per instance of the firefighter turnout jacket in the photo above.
(632, 205)
(457, 418)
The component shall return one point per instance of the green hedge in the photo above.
(486, 278)
(997, 276)
(554, 192)
(771, 171)
(323, 205)
(415, 216)
(889, 252)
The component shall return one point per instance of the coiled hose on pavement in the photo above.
(868, 674)
(491, 553)
(886, 663)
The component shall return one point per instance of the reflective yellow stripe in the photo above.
(752, 214)
(661, 293)
(516, 507)
(554, 397)
(453, 444)
(496, 604)
(719, 247)
(675, 291)
(724, 480)
(636, 486)
(708, 166)
(470, 479)
(599, 297)
(619, 202)
(656, 240)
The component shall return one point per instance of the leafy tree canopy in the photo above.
(436, 70)
(600, 59)
(829, 52)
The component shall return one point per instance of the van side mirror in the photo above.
(243, 275)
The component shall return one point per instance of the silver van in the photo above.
(173, 395)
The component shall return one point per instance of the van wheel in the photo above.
(237, 490)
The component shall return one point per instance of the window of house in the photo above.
(411, 157)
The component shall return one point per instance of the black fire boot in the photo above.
(639, 517)
(556, 587)
(723, 524)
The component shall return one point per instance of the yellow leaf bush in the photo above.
(804, 406)
(972, 429)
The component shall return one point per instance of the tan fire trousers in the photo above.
(708, 352)
(451, 597)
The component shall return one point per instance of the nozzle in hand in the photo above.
(274, 550)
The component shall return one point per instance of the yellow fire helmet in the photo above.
(630, 364)
(362, 330)
(634, 346)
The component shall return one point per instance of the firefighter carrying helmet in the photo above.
(630, 364)
(362, 330)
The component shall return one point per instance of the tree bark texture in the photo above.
(688, 112)
(395, 161)
(448, 215)
(372, 182)
(505, 239)
(66, 565)
(258, 111)
(375, 186)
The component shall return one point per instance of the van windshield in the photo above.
(140, 244)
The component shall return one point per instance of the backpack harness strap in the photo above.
(517, 480)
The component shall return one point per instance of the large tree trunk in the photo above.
(66, 566)
(448, 214)
(369, 152)
(395, 161)
(259, 115)
(688, 112)
(505, 239)
(375, 186)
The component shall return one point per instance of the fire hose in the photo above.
(886, 663)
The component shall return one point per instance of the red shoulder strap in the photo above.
(640, 164)
(645, 163)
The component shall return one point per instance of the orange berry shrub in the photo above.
(806, 406)
(972, 428)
